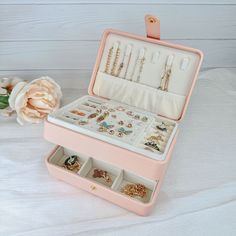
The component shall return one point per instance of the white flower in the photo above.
(35, 100)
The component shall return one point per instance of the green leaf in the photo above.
(4, 102)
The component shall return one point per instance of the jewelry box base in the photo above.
(112, 191)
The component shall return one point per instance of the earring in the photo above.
(144, 119)
(129, 125)
(162, 127)
(156, 139)
(129, 113)
(78, 112)
(123, 131)
(140, 60)
(93, 115)
(83, 122)
(165, 77)
(103, 116)
(104, 127)
(111, 132)
(152, 145)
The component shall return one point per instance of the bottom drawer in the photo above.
(130, 191)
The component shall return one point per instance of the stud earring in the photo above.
(111, 132)
(104, 126)
(120, 134)
(129, 125)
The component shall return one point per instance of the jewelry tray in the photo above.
(77, 112)
(142, 76)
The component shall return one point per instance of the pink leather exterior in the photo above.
(123, 158)
(151, 40)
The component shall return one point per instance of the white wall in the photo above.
(60, 38)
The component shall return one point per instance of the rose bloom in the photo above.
(35, 100)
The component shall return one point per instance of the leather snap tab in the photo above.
(152, 27)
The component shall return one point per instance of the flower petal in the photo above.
(14, 93)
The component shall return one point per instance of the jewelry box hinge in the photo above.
(152, 27)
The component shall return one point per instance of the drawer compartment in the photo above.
(119, 186)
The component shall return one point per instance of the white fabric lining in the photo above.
(139, 95)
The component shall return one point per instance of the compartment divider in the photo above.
(118, 181)
(85, 168)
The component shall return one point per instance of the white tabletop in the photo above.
(197, 196)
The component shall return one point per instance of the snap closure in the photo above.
(151, 19)
(92, 187)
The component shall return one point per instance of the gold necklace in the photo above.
(117, 55)
(108, 60)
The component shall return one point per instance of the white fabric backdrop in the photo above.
(197, 196)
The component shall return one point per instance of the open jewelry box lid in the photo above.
(140, 86)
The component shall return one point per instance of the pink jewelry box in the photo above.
(144, 62)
